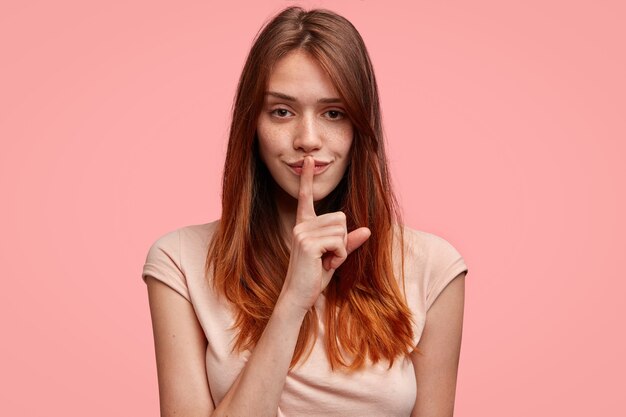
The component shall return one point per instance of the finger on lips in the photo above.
(306, 209)
(328, 229)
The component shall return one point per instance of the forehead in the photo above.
(299, 74)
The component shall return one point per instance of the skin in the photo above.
(314, 239)
(306, 130)
(319, 244)
(440, 343)
(289, 130)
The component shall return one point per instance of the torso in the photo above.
(372, 391)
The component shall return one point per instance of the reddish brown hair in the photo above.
(247, 255)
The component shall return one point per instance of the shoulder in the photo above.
(177, 255)
(431, 262)
(173, 239)
(198, 233)
(422, 246)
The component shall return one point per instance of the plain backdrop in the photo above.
(506, 132)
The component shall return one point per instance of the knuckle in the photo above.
(339, 243)
(299, 235)
(307, 245)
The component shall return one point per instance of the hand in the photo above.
(319, 245)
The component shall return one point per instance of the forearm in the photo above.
(257, 390)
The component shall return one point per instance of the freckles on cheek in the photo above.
(273, 137)
(344, 132)
(342, 139)
(269, 142)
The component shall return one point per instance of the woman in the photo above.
(308, 296)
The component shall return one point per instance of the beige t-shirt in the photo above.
(311, 389)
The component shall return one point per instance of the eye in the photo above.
(280, 113)
(336, 114)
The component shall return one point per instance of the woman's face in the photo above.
(303, 115)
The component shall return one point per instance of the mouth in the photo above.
(320, 166)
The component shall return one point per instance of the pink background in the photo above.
(506, 131)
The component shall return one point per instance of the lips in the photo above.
(320, 166)
(300, 163)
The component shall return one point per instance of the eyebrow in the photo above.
(289, 98)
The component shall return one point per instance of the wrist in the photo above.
(287, 309)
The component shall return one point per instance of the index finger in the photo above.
(306, 209)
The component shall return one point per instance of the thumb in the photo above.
(356, 238)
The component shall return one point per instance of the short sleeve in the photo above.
(163, 263)
(446, 264)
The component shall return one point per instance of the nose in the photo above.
(307, 136)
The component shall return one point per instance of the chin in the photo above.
(317, 195)
(322, 187)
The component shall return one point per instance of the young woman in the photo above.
(309, 297)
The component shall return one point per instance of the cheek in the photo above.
(344, 141)
(264, 138)
(271, 140)
(348, 146)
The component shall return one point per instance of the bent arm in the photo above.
(257, 389)
(180, 347)
(440, 344)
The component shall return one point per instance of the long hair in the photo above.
(366, 313)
